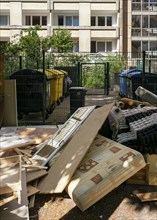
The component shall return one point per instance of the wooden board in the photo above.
(35, 174)
(147, 197)
(64, 167)
(106, 165)
(10, 173)
(31, 190)
(39, 135)
(11, 141)
(10, 104)
(13, 210)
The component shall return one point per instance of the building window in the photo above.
(68, 20)
(4, 20)
(108, 46)
(101, 21)
(101, 46)
(60, 20)
(75, 21)
(36, 20)
(153, 21)
(109, 21)
(93, 21)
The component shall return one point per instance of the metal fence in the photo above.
(44, 98)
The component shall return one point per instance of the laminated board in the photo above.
(106, 165)
(65, 165)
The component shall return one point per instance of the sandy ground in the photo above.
(120, 204)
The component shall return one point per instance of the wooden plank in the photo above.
(147, 197)
(8, 199)
(10, 171)
(10, 104)
(31, 190)
(39, 135)
(2, 99)
(64, 167)
(11, 141)
(13, 210)
(32, 175)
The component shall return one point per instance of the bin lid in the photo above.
(130, 72)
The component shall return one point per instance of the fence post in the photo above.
(20, 62)
(106, 83)
(44, 88)
(149, 66)
(79, 71)
(143, 67)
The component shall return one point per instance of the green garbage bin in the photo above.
(77, 98)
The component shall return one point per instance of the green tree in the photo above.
(116, 62)
(61, 40)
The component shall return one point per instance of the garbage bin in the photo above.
(77, 98)
(123, 80)
(148, 81)
(30, 91)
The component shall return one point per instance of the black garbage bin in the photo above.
(77, 98)
(30, 91)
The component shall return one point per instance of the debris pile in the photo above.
(75, 157)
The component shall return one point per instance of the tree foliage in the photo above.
(61, 40)
(117, 62)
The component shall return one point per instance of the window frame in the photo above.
(30, 17)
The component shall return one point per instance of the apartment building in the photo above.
(94, 25)
(141, 29)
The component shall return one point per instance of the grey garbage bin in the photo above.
(77, 98)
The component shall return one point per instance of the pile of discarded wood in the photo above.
(73, 157)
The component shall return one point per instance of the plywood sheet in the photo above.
(39, 135)
(10, 173)
(14, 210)
(106, 165)
(11, 140)
(35, 174)
(64, 167)
(10, 104)
(31, 190)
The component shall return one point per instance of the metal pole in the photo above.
(107, 79)
(79, 75)
(20, 59)
(143, 68)
(149, 66)
(44, 87)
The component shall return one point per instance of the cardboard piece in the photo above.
(10, 104)
(65, 165)
(106, 165)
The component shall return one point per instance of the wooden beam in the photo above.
(147, 197)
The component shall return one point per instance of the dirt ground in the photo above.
(120, 204)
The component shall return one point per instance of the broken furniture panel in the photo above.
(52, 146)
(65, 165)
(106, 165)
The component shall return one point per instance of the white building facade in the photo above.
(94, 25)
